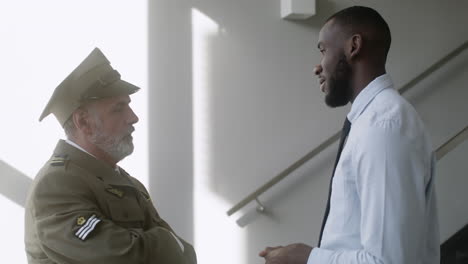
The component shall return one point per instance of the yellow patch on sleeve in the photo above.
(80, 221)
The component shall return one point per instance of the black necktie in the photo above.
(344, 134)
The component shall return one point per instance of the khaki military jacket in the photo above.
(80, 210)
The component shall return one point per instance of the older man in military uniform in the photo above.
(82, 207)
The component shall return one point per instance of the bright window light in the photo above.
(42, 42)
(215, 235)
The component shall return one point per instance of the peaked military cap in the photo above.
(93, 79)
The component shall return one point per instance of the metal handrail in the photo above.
(254, 195)
(452, 143)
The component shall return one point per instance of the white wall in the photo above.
(235, 102)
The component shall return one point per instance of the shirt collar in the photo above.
(116, 168)
(367, 95)
(77, 146)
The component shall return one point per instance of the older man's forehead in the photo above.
(109, 102)
(117, 99)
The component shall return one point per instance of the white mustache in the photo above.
(131, 130)
(128, 133)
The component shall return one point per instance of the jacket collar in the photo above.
(96, 167)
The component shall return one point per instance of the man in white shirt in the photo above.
(382, 207)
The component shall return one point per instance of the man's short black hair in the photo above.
(357, 19)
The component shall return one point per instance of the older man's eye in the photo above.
(118, 109)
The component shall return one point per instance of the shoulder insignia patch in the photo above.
(87, 227)
(58, 161)
(145, 195)
(116, 192)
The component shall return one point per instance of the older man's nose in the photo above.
(317, 69)
(133, 118)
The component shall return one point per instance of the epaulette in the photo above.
(59, 160)
(116, 192)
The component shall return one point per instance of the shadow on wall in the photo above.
(227, 91)
(238, 140)
(14, 184)
(301, 179)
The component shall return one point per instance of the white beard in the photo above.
(117, 148)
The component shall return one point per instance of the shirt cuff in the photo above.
(320, 256)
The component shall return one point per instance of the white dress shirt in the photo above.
(383, 202)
